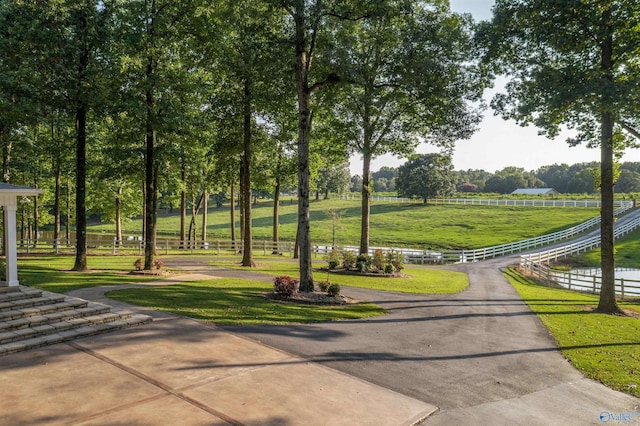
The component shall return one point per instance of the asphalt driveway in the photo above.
(481, 352)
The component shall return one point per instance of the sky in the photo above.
(498, 143)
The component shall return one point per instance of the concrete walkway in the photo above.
(178, 371)
(475, 358)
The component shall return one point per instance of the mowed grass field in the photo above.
(392, 224)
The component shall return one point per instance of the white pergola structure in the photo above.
(9, 201)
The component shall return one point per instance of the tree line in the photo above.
(567, 179)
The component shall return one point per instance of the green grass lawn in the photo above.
(420, 280)
(627, 253)
(235, 301)
(604, 347)
(392, 224)
(53, 273)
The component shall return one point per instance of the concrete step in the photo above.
(32, 318)
(42, 307)
(28, 302)
(8, 336)
(50, 314)
(76, 333)
(15, 293)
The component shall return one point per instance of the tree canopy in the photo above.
(573, 64)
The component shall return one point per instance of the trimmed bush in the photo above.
(138, 264)
(396, 259)
(389, 269)
(378, 259)
(333, 290)
(286, 286)
(323, 285)
(333, 259)
(363, 262)
(348, 259)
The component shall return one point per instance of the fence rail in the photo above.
(534, 264)
(491, 202)
(624, 287)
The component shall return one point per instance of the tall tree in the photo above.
(311, 22)
(410, 77)
(575, 64)
(65, 49)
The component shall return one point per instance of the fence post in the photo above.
(114, 245)
(166, 247)
(594, 284)
(140, 248)
(622, 288)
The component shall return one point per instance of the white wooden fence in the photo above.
(534, 263)
(412, 255)
(492, 202)
(578, 281)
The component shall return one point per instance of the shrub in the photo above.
(389, 269)
(158, 264)
(363, 262)
(348, 259)
(138, 264)
(333, 259)
(333, 290)
(396, 259)
(324, 285)
(286, 286)
(378, 259)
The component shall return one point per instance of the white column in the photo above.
(10, 248)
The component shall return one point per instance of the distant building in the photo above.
(535, 191)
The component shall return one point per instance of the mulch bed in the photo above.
(313, 298)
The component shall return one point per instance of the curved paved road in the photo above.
(481, 355)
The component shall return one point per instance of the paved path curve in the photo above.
(480, 356)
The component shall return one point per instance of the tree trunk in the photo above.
(183, 207)
(81, 174)
(232, 212)
(245, 179)
(205, 213)
(118, 206)
(6, 153)
(366, 203)
(304, 129)
(56, 205)
(607, 303)
(149, 139)
(276, 208)
(36, 216)
(67, 226)
(144, 210)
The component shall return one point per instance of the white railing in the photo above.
(589, 283)
(534, 264)
(523, 203)
(581, 246)
(491, 202)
